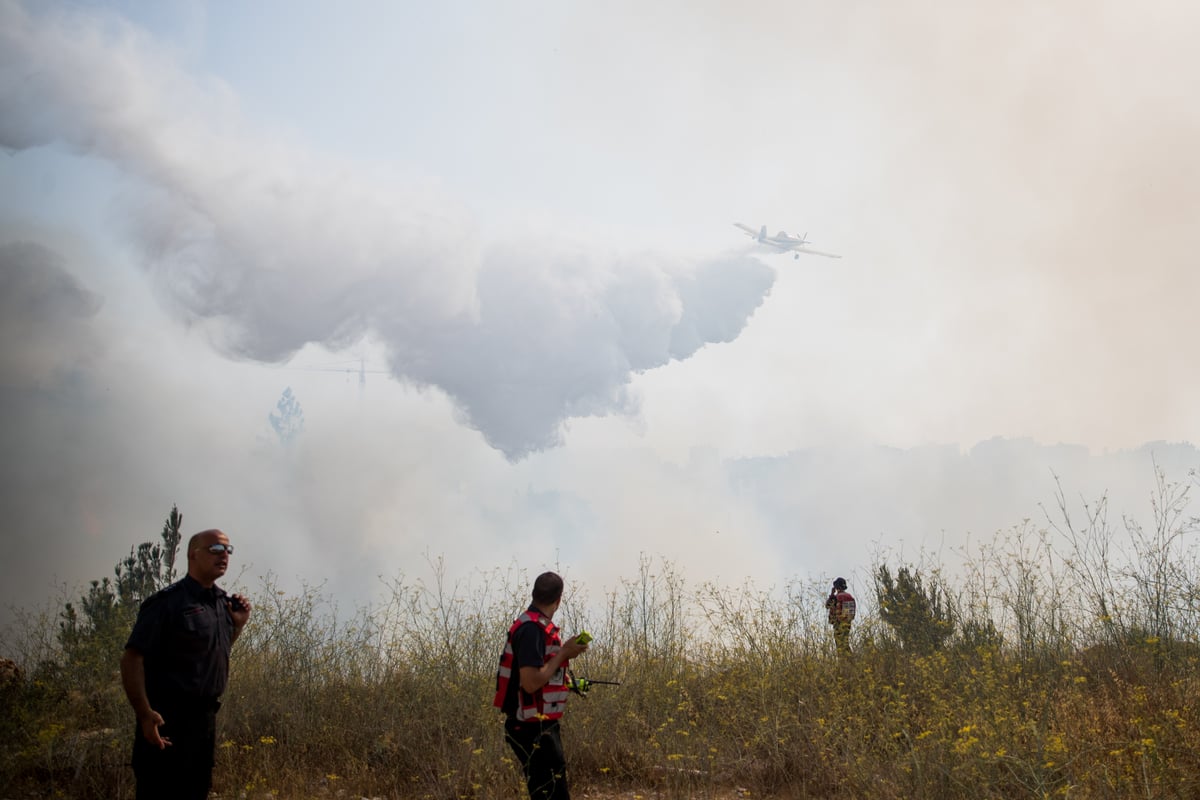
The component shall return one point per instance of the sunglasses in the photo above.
(217, 549)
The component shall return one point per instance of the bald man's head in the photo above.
(208, 556)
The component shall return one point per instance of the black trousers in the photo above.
(182, 770)
(538, 746)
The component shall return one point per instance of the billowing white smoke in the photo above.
(44, 313)
(272, 248)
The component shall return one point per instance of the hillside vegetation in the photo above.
(1060, 662)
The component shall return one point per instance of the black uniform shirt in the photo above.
(184, 634)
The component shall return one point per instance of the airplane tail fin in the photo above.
(762, 233)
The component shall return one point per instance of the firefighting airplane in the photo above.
(783, 241)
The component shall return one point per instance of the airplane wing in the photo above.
(751, 232)
(814, 252)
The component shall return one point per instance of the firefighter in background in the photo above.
(841, 613)
(532, 688)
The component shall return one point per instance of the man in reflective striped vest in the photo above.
(531, 690)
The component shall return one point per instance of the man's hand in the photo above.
(149, 723)
(239, 609)
(573, 648)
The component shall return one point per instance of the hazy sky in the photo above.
(518, 217)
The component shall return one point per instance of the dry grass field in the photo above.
(1013, 681)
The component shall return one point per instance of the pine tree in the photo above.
(93, 631)
(918, 613)
(289, 421)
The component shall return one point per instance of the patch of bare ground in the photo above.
(604, 793)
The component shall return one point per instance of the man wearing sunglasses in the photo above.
(174, 670)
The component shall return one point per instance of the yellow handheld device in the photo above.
(584, 637)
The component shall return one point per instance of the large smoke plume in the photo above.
(271, 248)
